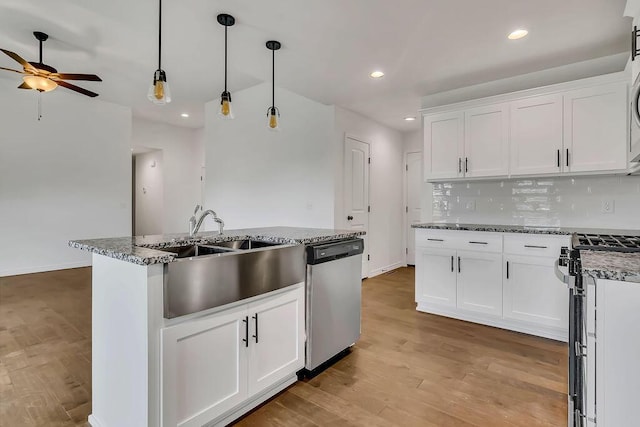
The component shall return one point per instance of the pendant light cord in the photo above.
(40, 54)
(160, 35)
(225, 57)
(273, 78)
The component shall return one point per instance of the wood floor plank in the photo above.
(408, 369)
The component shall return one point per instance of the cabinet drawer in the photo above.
(428, 238)
(479, 241)
(535, 245)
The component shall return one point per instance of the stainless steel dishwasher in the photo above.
(333, 284)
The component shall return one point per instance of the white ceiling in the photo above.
(329, 47)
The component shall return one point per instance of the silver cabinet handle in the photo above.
(436, 240)
(452, 263)
(558, 157)
(507, 269)
(459, 265)
(567, 157)
(535, 246)
(479, 243)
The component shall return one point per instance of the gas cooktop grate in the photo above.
(606, 242)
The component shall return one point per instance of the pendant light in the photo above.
(159, 92)
(273, 113)
(225, 98)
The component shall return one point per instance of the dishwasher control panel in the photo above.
(329, 251)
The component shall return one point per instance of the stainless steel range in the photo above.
(581, 404)
(606, 242)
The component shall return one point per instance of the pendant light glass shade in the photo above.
(226, 110)
(273, 119)
(273, 113)
(159, 92)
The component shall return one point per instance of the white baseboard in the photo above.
(379, 271)
(44, 268)
(509, 324)
(94, 422)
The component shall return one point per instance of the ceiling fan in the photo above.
(44, 78)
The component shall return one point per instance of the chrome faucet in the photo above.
(194, 227)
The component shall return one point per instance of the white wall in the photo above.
(182, 160)
(65, 177)
(385, 239)
(256, 177)
(149, 193)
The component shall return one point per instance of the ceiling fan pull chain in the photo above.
(39, 105)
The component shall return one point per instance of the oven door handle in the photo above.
(565, 278)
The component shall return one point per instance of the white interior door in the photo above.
(413, 212)
(356, 189)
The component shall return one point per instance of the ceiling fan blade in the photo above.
(9, 69)
(17, 58)
(67, 76)
(76, 88)
(24, 86)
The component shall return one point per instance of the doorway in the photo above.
(356, 191)
(413, 211)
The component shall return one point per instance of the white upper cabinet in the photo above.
(443, 145)
(575, 128)
(536, 148)
(486, 141)
(595, 128)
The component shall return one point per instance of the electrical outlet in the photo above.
(608, 206)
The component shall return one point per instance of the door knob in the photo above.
(349, 218)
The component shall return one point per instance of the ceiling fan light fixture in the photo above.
(273, 113)
(226, 110)
(159, 92)
(40, 83)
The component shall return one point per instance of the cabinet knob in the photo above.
(350, 218)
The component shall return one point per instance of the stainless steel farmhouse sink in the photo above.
(197, 250)
(208, 276)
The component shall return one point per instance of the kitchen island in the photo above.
(152, 368)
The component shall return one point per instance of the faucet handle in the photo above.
(198, 208)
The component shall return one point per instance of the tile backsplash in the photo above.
(602, 202)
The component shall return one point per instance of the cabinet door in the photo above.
(204, 368)
(595, 128)
(435, 276)
(480, 282)
(533, 293)
(536, 135)
(443, 145)
(276, 339)
(486, 141)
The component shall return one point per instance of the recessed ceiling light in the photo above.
(518, 34)
(377, 74)
(185, 115)
(410, 119)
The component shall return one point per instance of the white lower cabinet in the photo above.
(533, 293)
(435, 276)
(479, 286)
(505, 280)
(213, 364)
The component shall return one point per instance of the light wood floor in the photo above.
(408, 369)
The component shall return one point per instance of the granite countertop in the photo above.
(611, 265)
(499, 228)
(146, 250)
